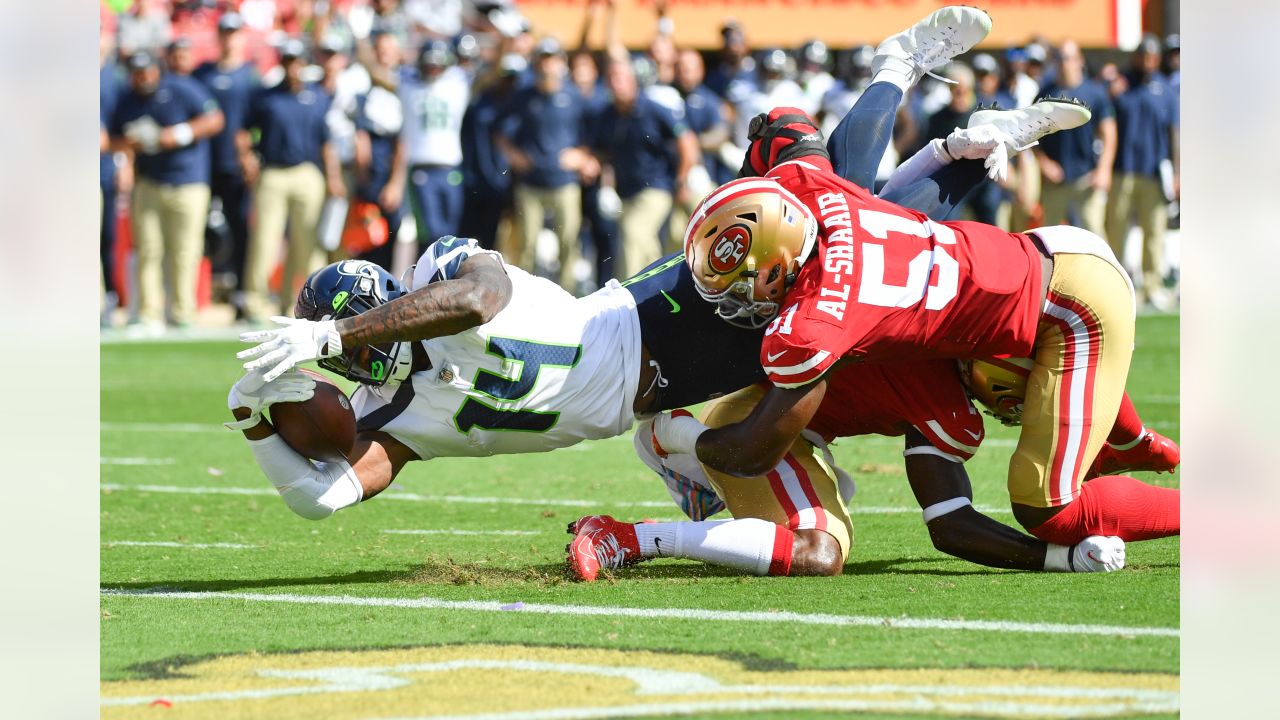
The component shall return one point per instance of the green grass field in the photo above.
(219, 602)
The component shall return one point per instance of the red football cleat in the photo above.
(601, 542)
(1154, 453)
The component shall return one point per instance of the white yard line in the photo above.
(164, 427)
(780, 617)
(169, 544)
(449, 531)
(135, 461)
(488, 500)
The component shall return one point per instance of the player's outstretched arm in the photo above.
(749, 448)
(942, 488)
(311, 490)
(477, 292)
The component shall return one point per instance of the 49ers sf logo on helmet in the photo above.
(729, 249)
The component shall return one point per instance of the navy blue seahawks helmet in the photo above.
(346, 289)
(437, 53)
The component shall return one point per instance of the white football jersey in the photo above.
(546, 372)
(433, 113)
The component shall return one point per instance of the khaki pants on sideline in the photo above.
(1141, 196)
(532, 203)
(1058, 198)
(168, 237)
(642, 218)
(293, 195)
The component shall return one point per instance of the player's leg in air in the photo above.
(792, 522)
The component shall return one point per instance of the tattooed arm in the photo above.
(477, 292)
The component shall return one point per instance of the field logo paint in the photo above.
(514, 681)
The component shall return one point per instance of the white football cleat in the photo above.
(1025, 126)
(932, 42)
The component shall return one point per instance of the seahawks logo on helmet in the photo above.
(346, 289)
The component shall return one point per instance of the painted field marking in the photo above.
(784, 617)
(164, 427)
(443, 531)
(135, 461)
(483, 500)
(170, 544)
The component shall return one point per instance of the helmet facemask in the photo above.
(745, 245)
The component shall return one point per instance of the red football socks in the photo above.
(1128, 428)
(783, 543)
(1115, 505)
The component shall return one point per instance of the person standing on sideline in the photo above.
(289, 183)
(233, 81)
(485, 175)
(164, 123)
(541, 138)
(1074, 179)
(1145, 168)
(434, 102)
(650, 153)
(379, 152)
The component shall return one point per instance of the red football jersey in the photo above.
(888, 283)
(887, 398)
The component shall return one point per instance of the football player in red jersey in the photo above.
(924, 400)
(881, 283)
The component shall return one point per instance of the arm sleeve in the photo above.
(444, 257)
(927, 160)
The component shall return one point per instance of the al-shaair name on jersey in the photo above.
(546, 372)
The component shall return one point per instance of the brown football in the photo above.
(322, 428)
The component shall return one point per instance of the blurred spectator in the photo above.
(541, 138)
(1172, 65)
(485, 173)
(380, 163)
(650, 152)
(706, 114)
(987, 88)
(1039, 69)
(233, 81)
(468, 50)
(854, 75)
(1075, 178)
(144, 28)
(343, 83)
(774, 89)
(164, 122)
(600, 229)
(963, 102)
(108, 95)
(439, 18)
(434, 102)
(1017, 82)
(1146, 167)
(290, 188)
(178, 58)
(814, 80)
(734, 76)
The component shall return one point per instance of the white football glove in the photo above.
(1098, 553)
(298, 341)
(984, 142)
(255, 393)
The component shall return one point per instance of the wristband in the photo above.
(1058, 559)
(183, 135)
(244, 424)
(333, 347)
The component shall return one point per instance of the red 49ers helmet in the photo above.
(744, 244)
(999, 385)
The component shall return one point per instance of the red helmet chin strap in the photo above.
(782, 134)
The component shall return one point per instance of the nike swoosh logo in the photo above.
(657, 542)
(675, 306)
(774, 356)
(1091, 557)
(973, 434)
